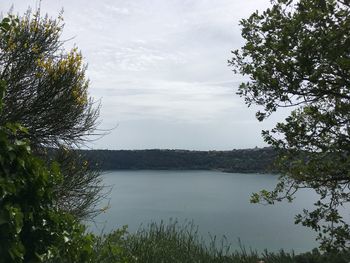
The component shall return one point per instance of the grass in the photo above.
(175, 242)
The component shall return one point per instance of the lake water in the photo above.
(217, 202)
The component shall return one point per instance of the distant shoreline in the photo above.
(192, 170)
(258, 160)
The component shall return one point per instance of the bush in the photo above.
(32, 229)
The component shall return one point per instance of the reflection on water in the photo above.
(217, 202)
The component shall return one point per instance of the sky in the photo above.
(159, 69)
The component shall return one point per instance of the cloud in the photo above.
(164, 64)
(177, 101)
(117, 10)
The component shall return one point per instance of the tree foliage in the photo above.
(46, 86)
(235, 161)
(31, 227)
(297, 54)
(82, 190)
(47, 93)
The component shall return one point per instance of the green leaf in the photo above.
(5, 27)
(6, 20)
(3, 219)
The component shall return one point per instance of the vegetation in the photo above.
(82, 191)
(47, 93)
(46, 107)
(240, 161)
(175, 242)
(31, 228)
(297, 54)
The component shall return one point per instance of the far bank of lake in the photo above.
(217, 202)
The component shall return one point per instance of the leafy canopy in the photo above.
(47, 93)
(31, 228)
(46, 86)
(297, 54)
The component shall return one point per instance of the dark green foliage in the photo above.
(297, 54)
(239, 161)
(31, 227)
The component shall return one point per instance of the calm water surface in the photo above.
(217, 202)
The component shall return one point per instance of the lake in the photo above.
(217, 202)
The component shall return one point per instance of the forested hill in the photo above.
(246, 160)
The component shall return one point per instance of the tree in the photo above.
(297, 54)
(31, 228)
(82, 190)
(47, 93)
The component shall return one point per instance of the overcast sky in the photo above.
(160, 69)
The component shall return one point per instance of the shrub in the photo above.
(32, 229)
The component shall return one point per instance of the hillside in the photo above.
(242, 160)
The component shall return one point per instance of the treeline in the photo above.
(243, 160)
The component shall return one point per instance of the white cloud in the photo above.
(162, 63)
(117, 10)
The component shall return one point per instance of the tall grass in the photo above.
(175, 242)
